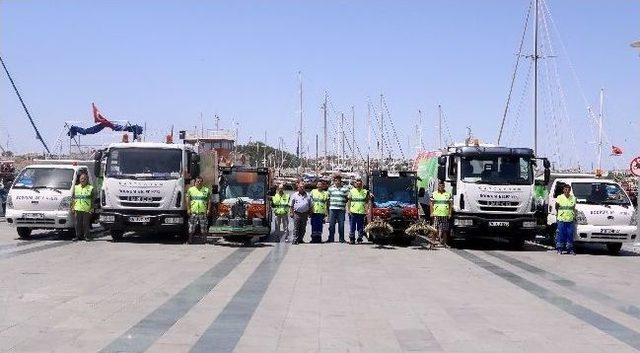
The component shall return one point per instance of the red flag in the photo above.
(99, 118)
(616, 151)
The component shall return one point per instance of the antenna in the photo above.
(324, 119)
(301, 112)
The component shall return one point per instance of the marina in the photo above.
(335, 177)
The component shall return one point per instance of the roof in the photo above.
(148, 145)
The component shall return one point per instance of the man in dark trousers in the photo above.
(82, 207)
(299, 211)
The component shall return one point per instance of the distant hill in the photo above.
(255, 152)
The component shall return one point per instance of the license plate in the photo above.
(33, 215)
(609, 231)
(140, 219)
(498, 224)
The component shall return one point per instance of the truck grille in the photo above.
(35, 221)
(609, 236)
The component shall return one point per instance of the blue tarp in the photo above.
(75, 130)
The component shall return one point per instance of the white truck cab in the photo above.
(41, 195)
(604, 213)
(144, 187)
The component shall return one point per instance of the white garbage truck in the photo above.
(41, 195)
(492, 189)
(144, 187)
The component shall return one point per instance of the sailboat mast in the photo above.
(600, 122)
(381, 129)
(439, 126)
(324, 118)
(300, 128)
(353, 135)
(535, 78)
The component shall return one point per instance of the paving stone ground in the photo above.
(151, 294)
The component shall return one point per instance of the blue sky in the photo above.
(166, 62)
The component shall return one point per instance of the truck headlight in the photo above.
(9, 201)
(529, 224)
(106, 218)
(580, 218)
(463, 222)
(65, 204)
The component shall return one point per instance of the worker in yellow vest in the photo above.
(197, 208)
(82, 207)
(441, 206)
(357, 203)
(280, 204)
(566, 215)
(320, 205)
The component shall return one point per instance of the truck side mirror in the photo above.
(194, 167)
(421, 192)
(442, 172)
(547, 176)
(98, 160)
(546, 163)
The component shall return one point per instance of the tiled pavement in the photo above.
(158, 296)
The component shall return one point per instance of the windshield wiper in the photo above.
(47, 187)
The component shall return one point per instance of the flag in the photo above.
(99, 118)
(616, 151)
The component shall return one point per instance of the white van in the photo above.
(41, 195)
(604, 213)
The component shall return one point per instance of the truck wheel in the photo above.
(24, 233)
(516, 244)
(614, 248)
(116, 235)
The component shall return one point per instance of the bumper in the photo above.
(45, 220)
(469, 226)
(142, 221)
(605, 234)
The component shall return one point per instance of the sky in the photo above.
(164, 63)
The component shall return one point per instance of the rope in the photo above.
(393, 128)
(515, 71)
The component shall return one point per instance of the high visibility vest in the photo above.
(280, 204)
(358, 200)
(566, 208)
(441, 204)
(199, 199)
(82, 198)
(319, 199)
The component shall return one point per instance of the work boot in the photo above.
(352, 240)
(342, 240)
(571, 251)
(330, 240)
(360, 240)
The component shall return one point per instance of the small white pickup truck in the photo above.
(41, 195)
(604, 213)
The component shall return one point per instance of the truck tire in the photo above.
(614, 248)
(24, 233)
(116, 235)
(516, 243)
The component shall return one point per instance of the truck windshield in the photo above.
(144, 163)
(250, 186)
(393, 191)
(599, 193)
(501, 170)
(53, 178)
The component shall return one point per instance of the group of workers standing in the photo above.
(322, 203)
